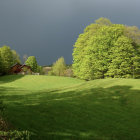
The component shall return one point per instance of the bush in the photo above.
(50, 73)
(15, 135)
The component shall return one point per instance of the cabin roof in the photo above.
(20, 66)
(16, 64)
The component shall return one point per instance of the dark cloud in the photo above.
(49, 28)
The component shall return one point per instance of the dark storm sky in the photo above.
(48, 29)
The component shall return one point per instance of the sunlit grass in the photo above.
(71, 109)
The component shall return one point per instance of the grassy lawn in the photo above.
(59, 108)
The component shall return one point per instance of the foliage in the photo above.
(122, 59)
(26, 70)
(58, 67)
(133, 32)
(7, 60)
(103, 21)
(15, 135)
(8, 57)
(40, 70)
(104, 50)
(50, 73)
(31, 61)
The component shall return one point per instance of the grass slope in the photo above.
(58, 108)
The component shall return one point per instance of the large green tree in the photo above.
(105, 50)
(31, 61)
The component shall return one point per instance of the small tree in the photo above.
(6, 59)
(59, 67)
(31, 61)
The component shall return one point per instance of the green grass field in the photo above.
(59, 108)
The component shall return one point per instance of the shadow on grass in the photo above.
(9, 78)
(92, 114)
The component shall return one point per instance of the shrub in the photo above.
(15, 135)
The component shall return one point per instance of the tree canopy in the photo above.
(107, 50)
(31, 61)
(6, 59)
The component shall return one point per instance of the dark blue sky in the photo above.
(48, 29)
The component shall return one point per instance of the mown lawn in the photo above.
(59, 108)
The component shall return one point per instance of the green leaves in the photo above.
(6, 59)
(58, 67)
(103, 21)
(104, 50)
(15, 135)
(122, 55)
(31, 61)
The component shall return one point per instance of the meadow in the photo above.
(62, 108)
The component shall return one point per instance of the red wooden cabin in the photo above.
(20, 69)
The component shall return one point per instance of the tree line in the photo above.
(103, 50)
(106, 50)
(10, 57)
